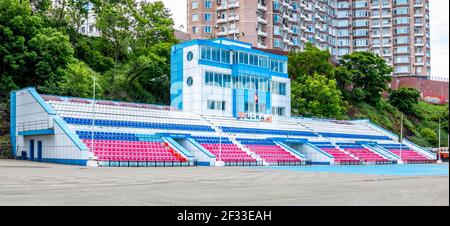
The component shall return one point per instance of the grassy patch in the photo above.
(425, 116)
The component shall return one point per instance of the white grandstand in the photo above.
(59, 129)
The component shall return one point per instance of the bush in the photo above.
(404, 99)
(429, 135)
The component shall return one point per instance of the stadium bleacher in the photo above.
(340, 157)
(226, 151)
(126, 132)
(406, 154)
(270, 152)
(120, 147)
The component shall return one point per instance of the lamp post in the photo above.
(401, 139)
(93, 117)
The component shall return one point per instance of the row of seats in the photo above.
(366, 155)
(140, 125)
(410, 156)
(407, 155)
(340, 157)
(354, 136)
(122, 151)
(269, 151)
(267, 131)
(225, 151)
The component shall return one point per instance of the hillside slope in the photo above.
(421, 127)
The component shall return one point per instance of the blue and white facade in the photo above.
(223, 77)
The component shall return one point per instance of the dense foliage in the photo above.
(41, 46)
(404, 99)
(364, 76)
(317, 96)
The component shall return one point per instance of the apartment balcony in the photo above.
(262, 20)
(285, 4)
(262, 45)
(386, 6)
(262, 33)
(418, 4)
(222, 20)
(222, 33)
(419, 64)
(286, 29)
(233, 5)
(262, 7)
(418, 34)
(419, 54)
(233, 31)
(222, 7)
(233, 18)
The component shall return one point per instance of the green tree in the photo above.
(430, 135)
(365, 74)
(30, 53)
(317, 96)
(115, 24)
(445, 122)
(53, 51)
(310, 61)
(77, 80)
(77, 13)
(40, 6)
(404, 99)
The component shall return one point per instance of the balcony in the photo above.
(233, 31)
(222, 20)
(233, 5)
(262, 20)
(262, 7)
(262, 33)
(262, 45)
(233, 18)
(222, 7)
(222, 33)
(418, 4)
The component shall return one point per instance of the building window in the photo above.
(190, 81)
(194, 17)
(208, 16)
(207, 4)
(216, 105)
(190, 56)
(195, 5)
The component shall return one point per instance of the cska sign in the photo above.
(254, 117)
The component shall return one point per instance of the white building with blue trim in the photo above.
(228, 78)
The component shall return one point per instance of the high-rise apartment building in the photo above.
(397, 30)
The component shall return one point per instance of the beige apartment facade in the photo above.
(397, 30)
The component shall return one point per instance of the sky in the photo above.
(439, 22)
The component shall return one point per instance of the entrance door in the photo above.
(39, 151)
(32, 150)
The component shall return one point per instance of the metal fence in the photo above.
(34, 125)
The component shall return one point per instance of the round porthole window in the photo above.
(190, 81)
(190, 56)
